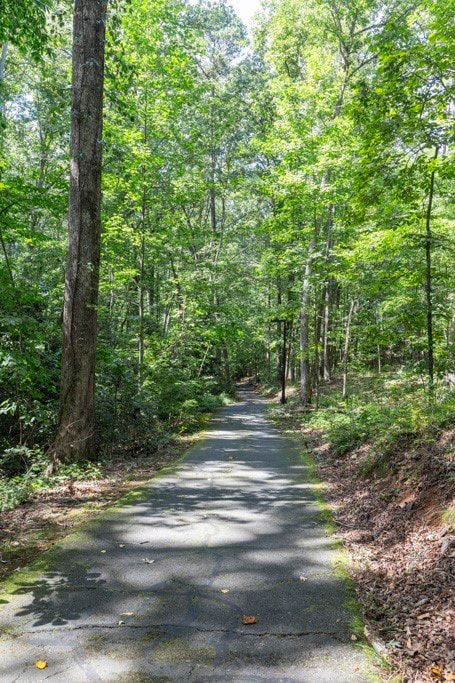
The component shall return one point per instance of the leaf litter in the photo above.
(402, 554)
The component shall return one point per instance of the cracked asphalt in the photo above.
(156, 590)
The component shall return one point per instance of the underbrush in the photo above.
(141, 431)
(19, 486)
(382, 413)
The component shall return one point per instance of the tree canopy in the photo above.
(295, 183)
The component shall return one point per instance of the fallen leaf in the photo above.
(41, 664)
(354, 637)
(225, 590)
(249, 620)
(436, 672)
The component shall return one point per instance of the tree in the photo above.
(75, 437)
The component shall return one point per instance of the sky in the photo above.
(245, 9)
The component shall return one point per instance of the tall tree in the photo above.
(75, 438)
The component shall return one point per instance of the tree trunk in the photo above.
(428, 280)
(141, 336)
(4, 50)
(305, 374)
(347, 339)
(450, 374)
(279, 334)
(318, 341)
(451, 337)
(75, 437)
(3, 53)
(325, 335)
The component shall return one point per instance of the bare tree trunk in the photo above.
(451, 335)
(141, 336)
(428, 280)
(305, 374)
(3, 54)
(279, 334)
(347, 339)
(450, 375)
(75, 437)
(227, 368)
(325, 334)
(318, 332)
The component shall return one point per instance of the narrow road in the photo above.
(156, 590)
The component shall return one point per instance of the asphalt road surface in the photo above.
(156, 590)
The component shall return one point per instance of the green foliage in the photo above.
(22, 473)
(222, 165)
(382, 413)
(23, 23)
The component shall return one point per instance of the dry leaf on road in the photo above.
(41, 664)
(249, 620)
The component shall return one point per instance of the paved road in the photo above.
(156, 590)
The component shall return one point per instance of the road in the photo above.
(156, 590)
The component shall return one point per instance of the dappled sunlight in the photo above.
(221, 537)
(242, 434)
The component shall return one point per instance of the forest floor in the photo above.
(221, 569)
(50, 514)
(395, 513)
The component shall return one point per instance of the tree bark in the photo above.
(3, 53)
(347, 339)
(4, 50)
(428, 280)
(75, 436)
(305, 374)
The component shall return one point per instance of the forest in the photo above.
(274, 204)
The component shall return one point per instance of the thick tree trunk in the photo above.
(75, 437)
(305, 374)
